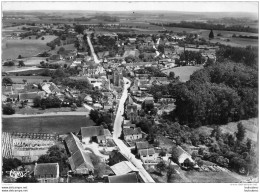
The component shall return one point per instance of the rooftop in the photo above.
(127, 178)
(123, 167)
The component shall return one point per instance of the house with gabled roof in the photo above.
(141, 145)
(97, 133)
(130, 134)
(47, 172)
(147, 155)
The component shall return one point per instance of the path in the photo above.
(92, 51)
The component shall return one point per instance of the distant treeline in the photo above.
(245, 36)
(201, 25)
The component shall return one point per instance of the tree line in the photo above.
(209, 26)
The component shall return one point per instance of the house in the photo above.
(128, 124)
(97, 133)
(7, 90)
(132, 134)
(182, 155)
(47, 172)
(149, 101)
(131, 112)
(56, 57)
(88, 99)
(141, 145)
(147, 155)
(134, 53)
(132, 40)
(30, 96)
(123, 168)
(127, 178)
(116, 157)
(103, 138)
(50, 88)
(79, 159)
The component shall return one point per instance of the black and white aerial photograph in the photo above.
(130, 92)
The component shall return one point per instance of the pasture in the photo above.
(30, 79)
(25, 47)
(46, 124)
(183, 72)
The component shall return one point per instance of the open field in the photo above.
(24, 47)
(209, 177)
(46, 124)
(31, 111)
(30, 79)
(183, 72)
(33, 61)
(251, 126)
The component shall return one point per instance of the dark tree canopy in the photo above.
(7, 81)
(211, 34)
(241, 132)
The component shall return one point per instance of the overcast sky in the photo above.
(131, 6)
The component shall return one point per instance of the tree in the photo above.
(9, 63)
(161, 166)
(73, 107)
(8, 109)
(199, 162)
(27, 179)
(79, 29)
(24, 81)
(9, 164)
(7, 81)
(61, 50)
(249, 144)
(171, 75)
(161, 48)
(42, 38)
(187, 163)
(175, 155)
(19, 57)
(170, 172)
(211, 34)
(56, 154)
(37, 101)
(241, 132)
(21, 64)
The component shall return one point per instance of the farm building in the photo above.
(47, 172)
(79, 159)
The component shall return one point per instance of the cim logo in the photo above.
(17, 174)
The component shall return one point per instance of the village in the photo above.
(113, 92)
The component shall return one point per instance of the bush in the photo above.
(42, 38)
(9, 63)
(7, 81)
(8, 110)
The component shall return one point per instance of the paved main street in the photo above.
(117, 132)
(118, 127)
